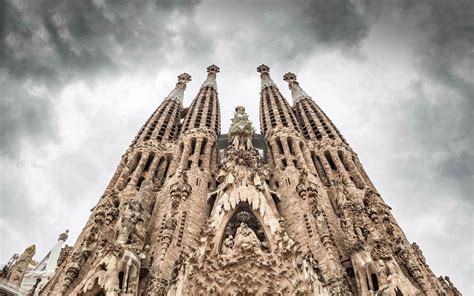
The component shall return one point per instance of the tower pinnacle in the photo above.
(177, 94)
(264, 71)
(296, 91)
(211, 77)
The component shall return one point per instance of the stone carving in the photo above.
(186, 215)
(18, 269)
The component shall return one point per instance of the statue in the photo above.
(227, 245)
(241, 131)
(246, 239)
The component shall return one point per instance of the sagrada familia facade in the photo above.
(290, 212)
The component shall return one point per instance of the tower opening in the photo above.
(330, 161)
(120, 278)
(375, 282)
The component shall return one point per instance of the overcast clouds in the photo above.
(79, 78)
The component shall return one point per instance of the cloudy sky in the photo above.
(79, 78)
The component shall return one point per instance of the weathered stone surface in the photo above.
(181, 218)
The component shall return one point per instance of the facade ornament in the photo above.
(177, 94)
(296, 91)
(210, 81)
(18, 270)
(264, 71)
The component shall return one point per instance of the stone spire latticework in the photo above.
(192, 212)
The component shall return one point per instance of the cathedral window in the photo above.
(330, 161)
(320, 169)
(375, 282)
(193, 146)
(343, 160)
(203, 146)
(159, 166)
(165, 173)
(120, 279)
(280, 145)
(149, 161)
(290, 145)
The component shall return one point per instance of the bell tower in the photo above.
(192, 212)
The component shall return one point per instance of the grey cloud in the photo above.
(50, 43)
(446, 36)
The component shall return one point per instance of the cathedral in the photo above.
(290, 211)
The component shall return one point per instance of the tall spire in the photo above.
(211, 77)
(177, 94)
(296, 91)
(264, 71)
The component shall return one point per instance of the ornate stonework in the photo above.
(300, 218)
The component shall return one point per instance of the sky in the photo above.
(79, 78)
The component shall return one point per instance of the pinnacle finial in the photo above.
(63, 236)
(184, 78)
(213, 69)
(211, 77)
(262, 69)
(177, 93)
(290, 77)
(296, 91)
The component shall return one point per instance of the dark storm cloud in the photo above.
(441, 122)
(47, 44)
(446, 37)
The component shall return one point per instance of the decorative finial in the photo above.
(63, 236)
(296, 91)
(184, 78)
(177, 94)
(211, 77)
(262, 69)
(213, 69)
(290, 78)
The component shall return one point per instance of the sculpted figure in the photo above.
(227, 245)
(246, 239)
(131, 226)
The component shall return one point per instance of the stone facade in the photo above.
(179, 218)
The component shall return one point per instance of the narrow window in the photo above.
(168, 161)
(203, 146)
(375, 282)
(193, 146)
(120, 278)
(149, 161)
(280, 146)
(343, 160)
(319, 167)
(330, 161)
